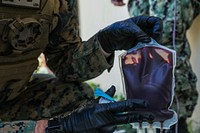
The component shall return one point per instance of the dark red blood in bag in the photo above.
(148, 75)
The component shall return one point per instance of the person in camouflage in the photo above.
(57, 102)
(185, 79)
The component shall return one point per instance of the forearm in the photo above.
(68, 56)
(27, 126)
(80, 62)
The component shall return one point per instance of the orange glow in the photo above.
(163, 54)
(133, 58)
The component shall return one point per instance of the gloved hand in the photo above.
(110, 128)
(125, 34)
(95, 116)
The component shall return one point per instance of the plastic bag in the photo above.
(148, 73)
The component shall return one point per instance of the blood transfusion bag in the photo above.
(148, 73)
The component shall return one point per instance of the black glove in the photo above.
(95, 116)
(111, 128)
(125, 34)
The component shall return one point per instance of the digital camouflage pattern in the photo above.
(186, 12)
(17, 127)
(72, 61)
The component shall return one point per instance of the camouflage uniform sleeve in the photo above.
(138, 7)
(17, 127)
(196, 6)
(67, 56)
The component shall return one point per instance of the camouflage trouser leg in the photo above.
(186, 94)
(185, 91)
(45, 98)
